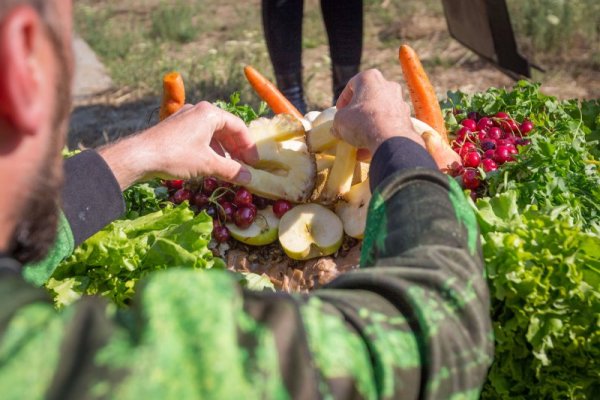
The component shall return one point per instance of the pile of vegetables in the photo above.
(540, 227)
(539, 214)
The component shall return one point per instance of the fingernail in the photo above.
(244, 176)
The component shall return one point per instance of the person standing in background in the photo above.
(282, 23)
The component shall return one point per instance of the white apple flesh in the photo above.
(353, 207)
(309, 231)
(261, 232)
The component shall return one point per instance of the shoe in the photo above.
(341, 74)
(291, 87)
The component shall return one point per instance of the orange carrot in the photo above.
(422, 94)
(173, 95)
(269, 93)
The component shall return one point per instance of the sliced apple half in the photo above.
(309, 231)
(353, 207)
(286, 169)
(261, 232)
(319, 137)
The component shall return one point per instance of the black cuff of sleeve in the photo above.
(397, 154)
(91, 196)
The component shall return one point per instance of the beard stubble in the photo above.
(35, 232)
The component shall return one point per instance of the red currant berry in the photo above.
(211, 211)
(226, 211)
(472, 159)
(181, 195)
(504, 142)
(462, 133)
(485, 123)
(174, 184)
(244, 216)
(221, 233)
(470, 124)
(509, 126)
(243, 197)
(482, 135)
(200, 200)
(471, 179)
(495, 133)
(467, 148)
(502, 155)
(489, 165)
(281, 207)
(209, 184)
(526, 127)
(260, 202)
(488, 144)
(489, 154)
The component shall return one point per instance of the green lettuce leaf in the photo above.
(544, 277)
(144, 198)
(255, 282)
(540, 231)
(112, 261)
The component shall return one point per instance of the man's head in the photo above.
(35, 83)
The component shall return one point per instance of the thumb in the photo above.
(230, 170)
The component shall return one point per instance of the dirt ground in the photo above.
(122, 110)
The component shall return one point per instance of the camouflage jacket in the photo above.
(411, 323)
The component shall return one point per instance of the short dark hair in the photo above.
(45, 9)
(40, 5)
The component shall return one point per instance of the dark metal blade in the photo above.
(484, 27)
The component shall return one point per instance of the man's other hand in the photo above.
(190, 143)
(370, 110)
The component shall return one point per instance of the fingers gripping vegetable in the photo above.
(422, 94)
(270, 94)
(173, 95)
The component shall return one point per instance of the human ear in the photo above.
(22, 70)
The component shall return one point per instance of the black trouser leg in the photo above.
(282, 24)
(344, 23)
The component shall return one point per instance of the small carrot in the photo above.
(173, 95)
(422, 94)
(269, 93)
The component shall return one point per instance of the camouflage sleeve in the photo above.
(412, 323)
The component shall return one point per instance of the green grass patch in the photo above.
(174, 22)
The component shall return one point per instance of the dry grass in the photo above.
(209, 42)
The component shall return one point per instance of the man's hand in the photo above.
(370, 110)
(188, 144)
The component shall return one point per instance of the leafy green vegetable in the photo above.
(244, 111)
(66, 153)
(113, 260)
(558, 167)
(144, 198)
(541, 244)
(256, 282)
(545, 284)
